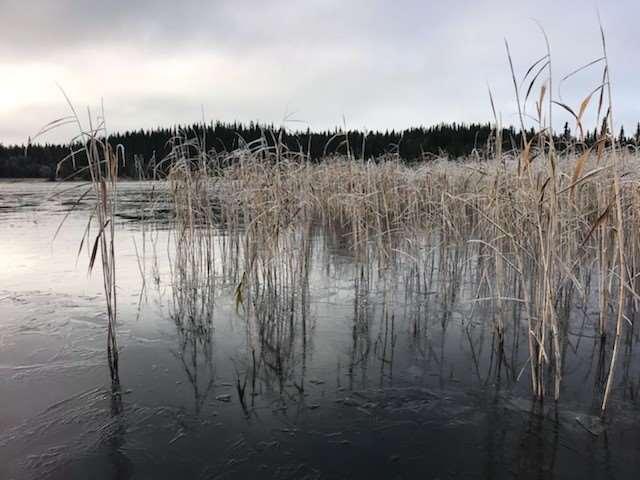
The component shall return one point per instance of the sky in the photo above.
(371, 64)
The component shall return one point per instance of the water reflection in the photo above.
(535, 456)
(401, 360)
(192, 311)
(123, 468)
(278, 323)
(195, 355)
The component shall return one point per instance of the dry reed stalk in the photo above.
(102, 160)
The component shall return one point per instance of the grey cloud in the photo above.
(381, 64)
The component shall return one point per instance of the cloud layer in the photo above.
(379, 64)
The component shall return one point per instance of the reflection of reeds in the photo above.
(275, 305)
(195, 354)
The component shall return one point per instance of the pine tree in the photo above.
(621, 137)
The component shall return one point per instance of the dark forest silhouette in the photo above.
(144, 148)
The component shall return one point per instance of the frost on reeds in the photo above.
(535, 226)
(532, 241)
(193, 260)
(95, 158)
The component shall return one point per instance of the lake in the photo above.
(357, 373)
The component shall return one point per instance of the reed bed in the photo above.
(533, 244)
(536, 247)
(539, 231)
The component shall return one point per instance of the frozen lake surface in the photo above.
(362, 380)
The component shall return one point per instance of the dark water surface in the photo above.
(371, 382)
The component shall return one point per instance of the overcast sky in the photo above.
(380, 64)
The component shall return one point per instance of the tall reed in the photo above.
(94, 157)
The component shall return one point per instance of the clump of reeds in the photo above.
(94, 157)
(193, 262)
(531, 223)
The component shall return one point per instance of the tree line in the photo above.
(145, 148)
